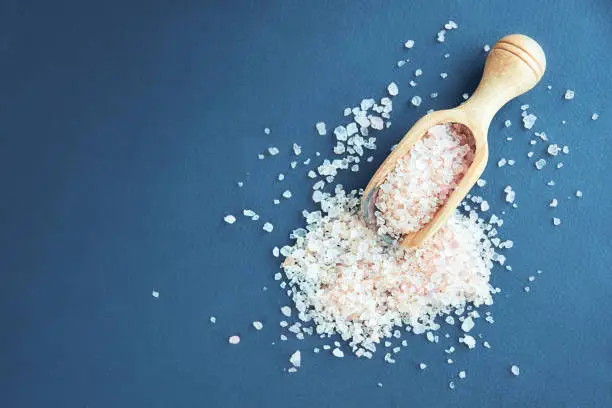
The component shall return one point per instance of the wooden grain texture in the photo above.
(515, 64)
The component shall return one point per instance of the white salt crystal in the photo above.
(595, 116)
(553, 203)
(155, 294)
(441, 36)
(540, 164)
(553, 149)
(443, 75)
(267, 131)
(321, 129)
(486, 48)
(297, 149)
(501, 162)
(296, 359)
(559, 165)
(569, 94)
(257, 325)
(529, 154)
(446, 55)
(273, 151)
(213, 319)
(462, 374)
(401, 63)
(484, 206)
(261, 156)
(409, 44)
(287, 194)
(451, 385)
(565, 149)
(481, 182)
(507, 123)
(338, 353)
(234, 339)
(268, 227)
(529, 121)
(416, 100)
(551, 183)
(230, 219)
(293, 164)
(486, 344)
(422, 366)
(376, 122)
(578, 193)
(276, 201)
(556, 221)
(469, 341)
(433, 95)
(468, 324)
(286, 310)
(524, 107)
(240, 184)
(413, 84)
(515, 370)
(511, 162)
(393, 89)
(465, 96)
(418, 72)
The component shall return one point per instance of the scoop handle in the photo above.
(515, 64)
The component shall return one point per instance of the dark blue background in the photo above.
(124, 127)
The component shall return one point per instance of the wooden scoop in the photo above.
(514, 66)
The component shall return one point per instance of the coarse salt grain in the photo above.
(286, 310)
(155, 294)
(540, 164)
(409, 44)
(258, 325)
(213, 319)
(515, 370)
(321, 129)
(230, 219)
(338, 353)
(268, 227)
(556, 221)
(234, 339)
(296, 359)
(393, 89)
(416, 100)
(569, 94)
(273, 151)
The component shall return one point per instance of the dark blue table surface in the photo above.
(124, 127)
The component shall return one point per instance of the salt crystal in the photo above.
(441, 36)
(155, 294)
(230, 219)
(486, 344)
(240, 184)
(443, 75)
(462, 374)
(486, 48)
(286, 310)
(465, 96)
(553, 203)
(433, 95)
(273, 151)
(293, 164)
(422, 366)
(281, 176)
(287, 194)
(565, 149)
(418, 72)
(481, 182)
(296, 359)
(267, 131)
(595, 116)
(257, 325)
(409, 44)
(511, 162)
(467, 325)
(401, 63)
(507, 123)
(261, 156)
(416, 100)
(276, 201)
(578, 193)
(268, 227)
(556, 221)
(446, 55)
(469, 341)
(234, 339)
(412, 83)
(515, 370)
(338, 353)
(569, 94)
(213, 319)
(451, 385)
(393, 89)
(529, 120)
(529, 154)
(553, 149)
(501, 162)
(484, 206)
(297, 149)
(540, 164)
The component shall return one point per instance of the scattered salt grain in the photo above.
(418, 72)
(268, 227)
(230, 219)
(465, 96)
(297, 149)
(468, 340)
(529, 120)
(529, 154)
(287, 194)
(486, 344)
(507, 123)
(321, 129)
(468, 324)
(462, 374)
(540, 164)
(527, 289)
(257, 325)
(515, 370)
(296, 359)
(281, 176)
(578, 193)
(556, 221)
(451, 385)
(393, 89)
(511, 162)
(234, 339)
(409, 44)
(338, 353)
(484, 206)
(273, 151)
(565, 149)
(155, 294)
(267, 131)
(443, 75)
(595, 116)
(553, 203)
(553, 149)
(510, 194)
(569, 94)
(501, 162)
(286, 310)
(213, 319)
(481, 182)
(422, 366)
(261, 156)
(486, 48)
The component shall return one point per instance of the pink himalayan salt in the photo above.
(349, 282)
(423, 179)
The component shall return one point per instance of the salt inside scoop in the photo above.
(423, 179)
